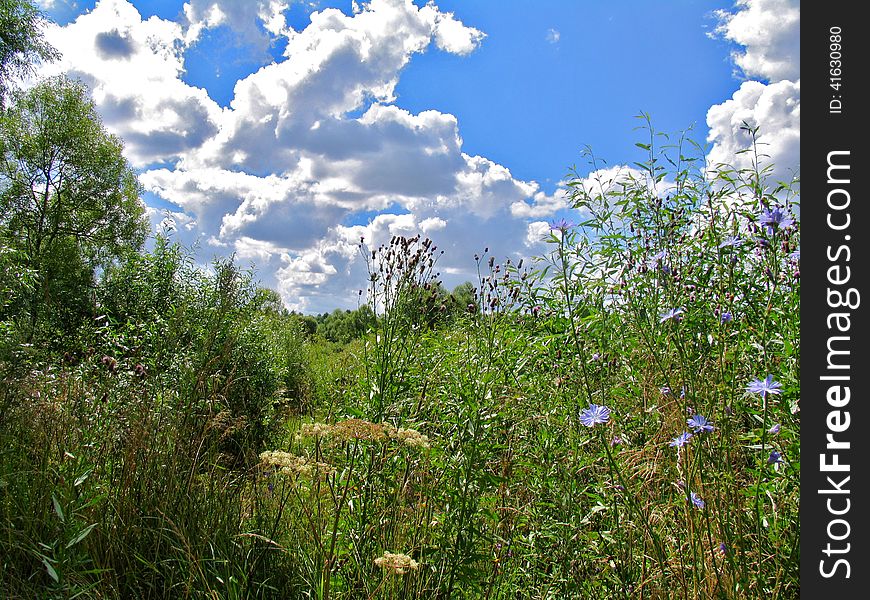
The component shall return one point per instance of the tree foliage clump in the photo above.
(22, 45)
(69, 200)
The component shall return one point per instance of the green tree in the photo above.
(22, 46)
(463, 297)
(69, 200)
(345, 325)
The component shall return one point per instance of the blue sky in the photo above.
(282, 131)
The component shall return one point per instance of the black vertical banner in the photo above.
(835, 254)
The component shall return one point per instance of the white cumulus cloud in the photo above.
(133, 68)
(768, 31)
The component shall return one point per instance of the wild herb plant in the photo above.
(619, 422)
(682, 280)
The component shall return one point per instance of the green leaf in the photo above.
(81, 478)
(58, 509)
(82, 535)
(51, 572)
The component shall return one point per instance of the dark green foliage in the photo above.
(21, 43)
(345, 325)
(69, 201)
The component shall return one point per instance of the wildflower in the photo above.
(674, 313)
(774, 430)
(723, 549)
(764, 387)
(315, 430)
(616, 441)
(657, 261)
(110, 363)
(796, 255)
(409, 437)
(292, 464)
(700, 423)
(680, 440)
(774, 458)
(697, 500)
(726, 317)
(665, 390)
(730, 242)
(594, 415)
(561, 225)
(396, 564)
(277, 458)
(775, 218)
(358, 429)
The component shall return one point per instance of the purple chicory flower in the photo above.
(726, 317)
(657, 261)
(680, 440)
(764, 386)
(675, 313)
(774, 458)
(730, 241)
(700, 424)
(594, 415)
(773, 430)
(697, 500)
(775, 218)
(562, 225)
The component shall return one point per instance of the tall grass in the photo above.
(618, 419)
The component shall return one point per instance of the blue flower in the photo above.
(723, 549)
(726, 317)
(675, 313)
(774, 430)
(680, 440)
(730, 241)
(697, 500)
(775, 218)
(594, 415)
(665, 390)
(700, 423)
(774, 458)
(657, 259)
(764, 387)
(562, 225)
